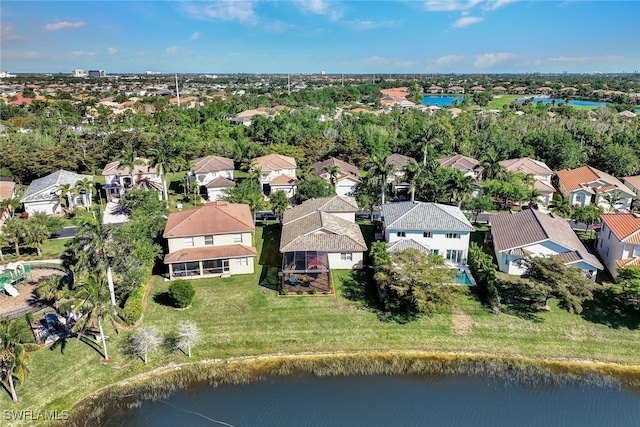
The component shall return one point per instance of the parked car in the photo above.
(266, 215)
(53, 322)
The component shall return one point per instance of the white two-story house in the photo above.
(278, 172)
(346, 178)
(534, 233)
(216, 239)
(587, 185)
(43, 195)
(541, 174)
(119, 178)
(215, 174)
(431, 227)
(619, 241)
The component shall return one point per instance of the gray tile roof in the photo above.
(322, 231)
(34, 192)
(424, 216)
(324, 204)
(403, 244)
(513, 230)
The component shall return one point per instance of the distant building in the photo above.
(97, 73)
(79, 73)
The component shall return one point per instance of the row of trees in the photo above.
(33, 232)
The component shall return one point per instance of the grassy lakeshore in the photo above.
(242, 316)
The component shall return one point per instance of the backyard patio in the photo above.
(304, 271)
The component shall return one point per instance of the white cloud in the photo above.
(112, 50)
(195, 36)
(371, 25)
(77, 53)
(172, 50)
(320, 7)
(451, 6)
(497, 4)
(465, 21)
(606, 58)
(278, 26)
(449, 59)
(489, 60)
(7, 34)
(13, 54)
(63, 25)
(223, 10)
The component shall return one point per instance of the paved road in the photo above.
(65, 233)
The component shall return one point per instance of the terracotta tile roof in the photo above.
(590, 179)
(625, 226)
(211, 252)
(400, 161)
(283, 180)
(517, 230)
(345, 168)
(212, 164)
(220, 182)
(324, 204)
(6, 189)
(633, 181)
(212, 218)
(527, 166)
(628, 261)
(114, 168)
(272, 162)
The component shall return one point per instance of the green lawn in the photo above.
(243, 315)
(52, 249)
(498, 103)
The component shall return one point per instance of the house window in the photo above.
(242, 262)
(454, 255)
(609, 238)
(201, 178)
(636, 251)
(426, 234)
(237, 238)
(215, 266)
(453, 235)
(346, 256)
(402, 234)
(188, 242)
(436, 251)
(208, 240)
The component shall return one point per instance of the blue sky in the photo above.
(309, 36)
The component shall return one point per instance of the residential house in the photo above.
(119, 178)
(441, 229)
(476, 89)
(213, 240)
(629, 115)
(245, 117)
(435, 89)
(520, 90)
(399, 163)
(541, 174)
(318, 236)
(619, 241)
(534, 233)
(467, 165)
(455, 89)
(215, 174)
(346, 179)
(7, 191)
(587, 185)
(43, 193)
(278, 172)
(499, 89)
(633, 182)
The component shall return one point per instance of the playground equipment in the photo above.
(12, 275)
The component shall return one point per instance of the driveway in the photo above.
(114, 215)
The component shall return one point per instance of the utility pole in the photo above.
(289, 84)
(177, 90)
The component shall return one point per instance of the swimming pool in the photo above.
(464, 277)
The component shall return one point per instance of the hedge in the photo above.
(134, 306)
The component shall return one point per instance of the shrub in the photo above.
(134, 306)
(314, 291)
(182, 293)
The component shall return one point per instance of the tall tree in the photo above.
(554, 279)
(52, 288)
(414, 174)
(279, 202)
(65, 194)
(248, 192)
(314, 187)
(93, 300)
(612, 198)
(14, 230)
(334, 173)
(627, 286)
(4, 241)
(560, 206)
(86, 186)
(14, 360)
(491, 167)
(588, 215)
(379, 168)
(36, 234)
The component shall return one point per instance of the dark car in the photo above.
(53, 322)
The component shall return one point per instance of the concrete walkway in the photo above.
(113, 214)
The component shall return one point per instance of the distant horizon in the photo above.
(337, 36)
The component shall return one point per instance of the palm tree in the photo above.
(14, 359)
(52, 288)
(380, 169)
(129, 159)
(560, 206)
(279, 202)
(9, 206)
(64, 195)
(458, 185)
(491, 167)
(4, 241)
(92, 244)
(36, 234)
(532, 198)
(612, 199)
(414, 174)
(334, 172)
(159, 157)
(93, 299)
(87, 186)
(14, 231)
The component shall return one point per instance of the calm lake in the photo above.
(440, 101)
(427, 400)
